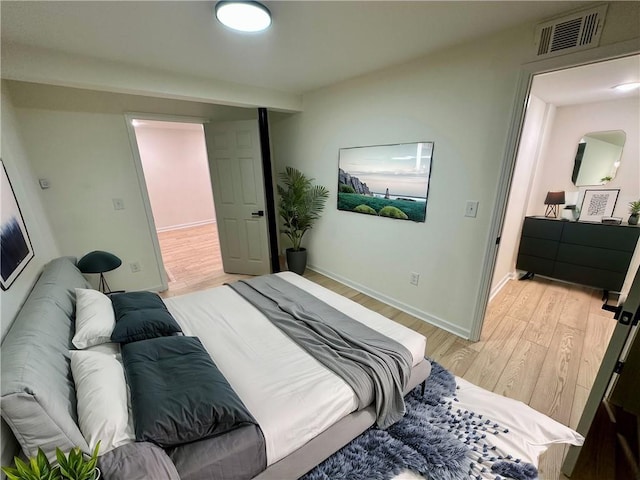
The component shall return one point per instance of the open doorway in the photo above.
(174, 160)
(562, 331)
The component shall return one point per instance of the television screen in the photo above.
(385, 180)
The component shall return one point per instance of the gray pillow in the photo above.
(38, 393)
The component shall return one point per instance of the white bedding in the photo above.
(292, 396)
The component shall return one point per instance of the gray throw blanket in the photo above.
(375, 366)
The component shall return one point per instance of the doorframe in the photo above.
(525, 78)
(142, 183)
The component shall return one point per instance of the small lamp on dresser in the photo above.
(552, 201)
(100, 262)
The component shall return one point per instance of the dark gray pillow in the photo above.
(140, 316)
(178, 395)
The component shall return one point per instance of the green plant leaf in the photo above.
(62, 459)
(23, 468)
(11, 473)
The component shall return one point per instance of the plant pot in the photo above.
(297, 260)
(633, 219)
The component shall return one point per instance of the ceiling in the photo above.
(588, 83)
(311, 44)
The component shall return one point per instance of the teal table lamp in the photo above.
(99, 262)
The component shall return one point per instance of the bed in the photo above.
(304, 411)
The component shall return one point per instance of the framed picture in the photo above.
(385, 180)
(15, 247)
(597, 204)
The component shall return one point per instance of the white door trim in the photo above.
(527, 72)
(146, 202)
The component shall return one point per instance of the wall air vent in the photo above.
(570, 33)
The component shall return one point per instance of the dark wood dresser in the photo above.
(592, 254)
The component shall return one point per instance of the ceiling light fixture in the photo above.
(627, 87)
(244, 16)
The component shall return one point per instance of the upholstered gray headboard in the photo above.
(38, 393)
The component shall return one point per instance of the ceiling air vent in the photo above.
(578, 31)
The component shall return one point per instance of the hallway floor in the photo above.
(192, 259)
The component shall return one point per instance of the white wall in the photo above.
(24, 186)
(78, 140)
(462, 99)
(532, 140)
(176, 171)
(570, 125)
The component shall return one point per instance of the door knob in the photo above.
(259, 213)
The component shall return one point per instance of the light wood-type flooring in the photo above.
(542, 341)
(192, 259)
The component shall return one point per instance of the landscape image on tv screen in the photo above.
(386, 180)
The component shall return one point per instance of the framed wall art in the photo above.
(385, 180)
(597, 204)
(15, 246)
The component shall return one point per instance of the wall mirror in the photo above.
(598, 158)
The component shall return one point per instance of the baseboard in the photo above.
(185, 225)
(502, 283)
(424, 316)
(156, 288)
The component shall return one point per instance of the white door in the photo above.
(615, 355)
(235, 164)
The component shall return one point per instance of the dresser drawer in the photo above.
(601, 258)
(539, 247)
(611, 237)
(542, 266)
(542, 228)
(594, 277)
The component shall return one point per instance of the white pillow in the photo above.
(101, 391)
(95, 319)
(111, 348)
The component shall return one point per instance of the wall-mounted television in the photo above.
(385, 180)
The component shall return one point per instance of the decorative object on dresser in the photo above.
(100, 262)
(552, 201)
(592, 254)
(570, 212)
(301, 203)
(16, 246)
(597, 204)
(634, 209)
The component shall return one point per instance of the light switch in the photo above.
(44, 183)
(118, 204)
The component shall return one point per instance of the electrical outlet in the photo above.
(471, 209)
(118, 204)
(414, 278)
(135, 267)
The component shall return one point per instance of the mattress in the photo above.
(291, 395)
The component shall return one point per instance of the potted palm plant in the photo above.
(301, 203)
(634, 209)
